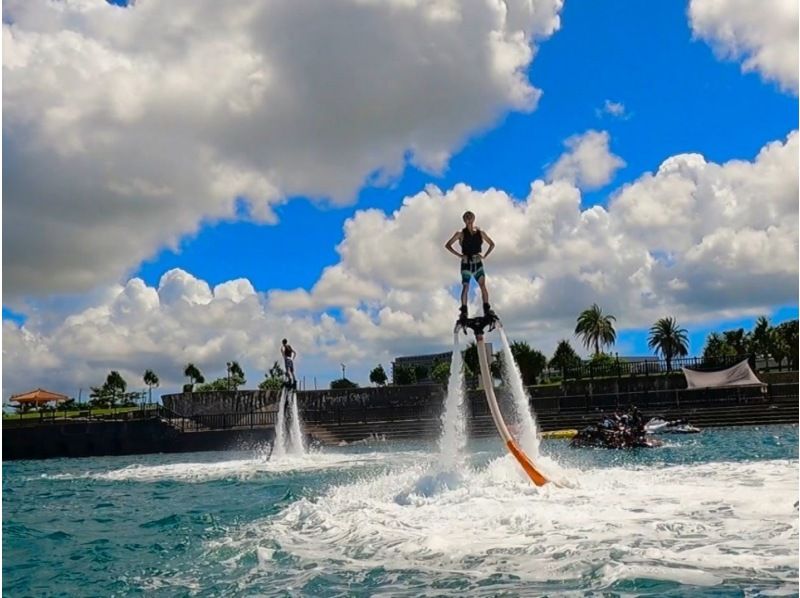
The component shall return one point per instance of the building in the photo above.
(428, 362)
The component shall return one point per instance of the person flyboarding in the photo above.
(288, 361)
(471, 239)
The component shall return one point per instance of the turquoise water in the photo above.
(706, 515)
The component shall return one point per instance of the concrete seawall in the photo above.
(95, 439)
(405, 411)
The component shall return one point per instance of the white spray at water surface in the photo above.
(527, 431)
(279, 449)
(681, 524)
(454, 437)
(528, 435)
(296, 445)
(288, 436)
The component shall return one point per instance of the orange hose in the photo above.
(536, 477)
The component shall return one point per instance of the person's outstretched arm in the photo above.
(489, 241)
(449, 244)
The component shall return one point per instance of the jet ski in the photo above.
(659, 425)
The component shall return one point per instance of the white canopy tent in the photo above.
(739, 375)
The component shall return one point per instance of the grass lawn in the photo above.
(73, 413)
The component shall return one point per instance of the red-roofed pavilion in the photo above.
(39, 396)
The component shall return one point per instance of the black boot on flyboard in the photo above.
(489, 314)
(462, 316)
(488, 320)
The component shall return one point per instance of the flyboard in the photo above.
(477, 325)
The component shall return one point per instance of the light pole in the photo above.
(228, 366)
(343, 376)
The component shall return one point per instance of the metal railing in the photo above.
(656, 399)
(183, 423)
(615, 367)
(83, 414)
(217, 421)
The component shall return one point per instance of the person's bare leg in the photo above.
(462, 317)
(484, 290)
(487, 309)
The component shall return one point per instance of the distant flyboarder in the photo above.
(288, 361)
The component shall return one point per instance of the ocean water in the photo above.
(713, 514)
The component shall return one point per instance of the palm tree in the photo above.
(151, 380)
(194, 375)
(595, 329)
(669, 340)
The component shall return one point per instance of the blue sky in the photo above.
(228, 150)
(678, 98)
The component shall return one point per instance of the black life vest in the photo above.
(471, 243)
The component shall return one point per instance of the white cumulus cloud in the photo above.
(125, 128)
(588, 163)
(762, 34)
(696, 240)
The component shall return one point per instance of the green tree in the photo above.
(112, 390)
(669, 340)
(471, 357)
(403, 375)
(343, 383)
(420, 373)
(602, 364)
(235, 375)
(131, 399)
(218, 384)
(378, 376)
(472, 365)
(786, 339)
(195, 377)
(564, 357)
(441, 372)
(100, 396)
(716, 349)
(117, 385)
(273, 379)
(595, 329)
(530, 362)
(736, 340)
(150, 379)
(760, 337)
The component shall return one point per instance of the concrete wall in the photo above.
(207, 403)
(414, 396)
(780, 377)
(95, 439)
(245, 401)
